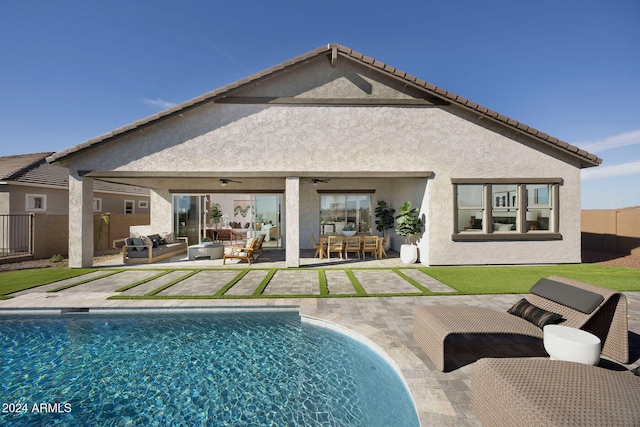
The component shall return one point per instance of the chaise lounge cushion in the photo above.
(579, 299)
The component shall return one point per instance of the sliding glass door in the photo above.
(187, 217)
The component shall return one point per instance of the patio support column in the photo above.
(292, 203)
(80, 220)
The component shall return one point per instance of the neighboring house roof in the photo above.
(333, 51)
(12, 166)
(33, 169)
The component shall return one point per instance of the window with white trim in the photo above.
(97, 205)
(503, 209)
(143, 204)
(36, 202)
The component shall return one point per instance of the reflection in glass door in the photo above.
(186, 217)
(267, 219)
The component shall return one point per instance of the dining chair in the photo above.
(334, 244)
(384, 243)
(370, 245)
(318, 246)
(352, 245)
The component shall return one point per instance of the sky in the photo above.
(73, 70)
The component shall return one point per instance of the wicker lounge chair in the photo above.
(432, 325)
(541, 392)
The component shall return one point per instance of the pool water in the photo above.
(194, 370)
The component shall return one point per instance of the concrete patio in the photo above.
(441, 398)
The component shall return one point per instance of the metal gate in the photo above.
(16, 235)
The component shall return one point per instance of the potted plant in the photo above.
(207, 241)
(349, 230)
(385, 221)
(408, 225)
(216, 214)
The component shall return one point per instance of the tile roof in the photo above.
(32, 169)
(11, 166)
(587, 159)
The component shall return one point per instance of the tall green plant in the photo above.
(385, 220)
(408, 222)
(216, 214)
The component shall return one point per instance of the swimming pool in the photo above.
(202, 369)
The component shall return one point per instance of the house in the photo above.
(325, 136)
(32, 188)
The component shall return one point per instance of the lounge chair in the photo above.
(434, 325)
(241, 252)
(541, 392)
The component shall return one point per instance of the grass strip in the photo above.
(355, 283)
(322, 283)
(19, 280)
(82, 282)
(140, 282)
(229, 285)
(263, 285)
(173, 282)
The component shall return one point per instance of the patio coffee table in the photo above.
(212, 251)
(571, 344)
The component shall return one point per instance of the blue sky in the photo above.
(72, 70)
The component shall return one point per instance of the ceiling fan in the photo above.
(225, 181)
(316, 181)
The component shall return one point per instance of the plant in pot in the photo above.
(349, 230)
(207, 241)
(408, 225)
(385, 221)
(216, 214)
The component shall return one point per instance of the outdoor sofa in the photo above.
(600, 311)
(152, 248)
(541, 392)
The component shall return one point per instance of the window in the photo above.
(503, 209)
(338, 211)
(143, 204)
(97, 205)
(470, 200)
(129, 206)
(36, 202)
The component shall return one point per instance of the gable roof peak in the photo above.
(334, 50)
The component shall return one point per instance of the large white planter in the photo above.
(409, 254)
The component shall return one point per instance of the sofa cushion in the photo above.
(567, 295)
(533, 314)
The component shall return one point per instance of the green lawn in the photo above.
(467, 280)
(519, 279)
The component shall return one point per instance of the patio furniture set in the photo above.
(566, 390)
(343, 245)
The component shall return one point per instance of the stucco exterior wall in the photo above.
(369, 140)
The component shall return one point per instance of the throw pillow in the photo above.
(156, 240)
(137, 242)
(146, 241)
(636, 371)
(533, 314)
(169, 238)
(129, 241)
